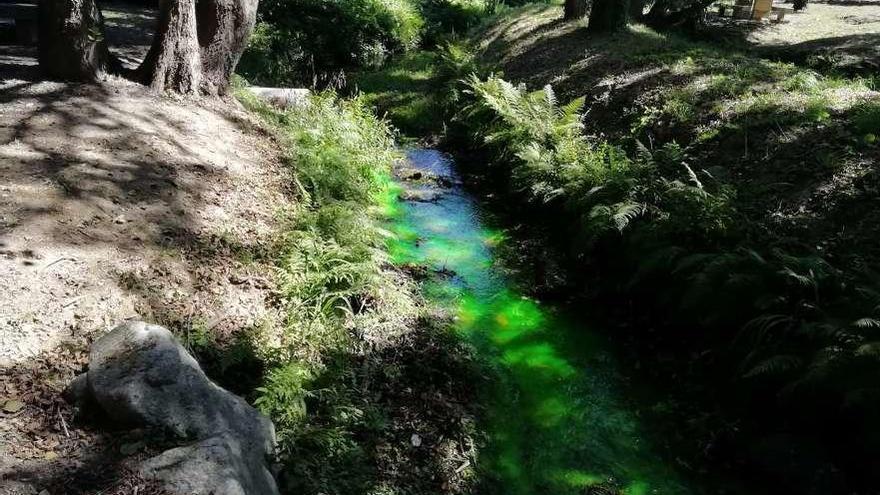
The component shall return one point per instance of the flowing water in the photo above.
(557, 418)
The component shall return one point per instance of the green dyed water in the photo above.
(556, 419)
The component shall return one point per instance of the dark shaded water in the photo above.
(557, 419)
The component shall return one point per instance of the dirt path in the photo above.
(115, 203)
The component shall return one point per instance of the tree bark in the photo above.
(174, 60)
(658, 11)
(575, 9)
(198, 45)
(637, 9)
(608, 15)
(72, 44)
(688, 15)
(224, 27)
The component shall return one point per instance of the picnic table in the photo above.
(23, 14)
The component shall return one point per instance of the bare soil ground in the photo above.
(115, 203)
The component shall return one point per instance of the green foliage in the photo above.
(317, 42)
(333, 287)
(744, 253)
(445, 18)
(313, 41)
(552, 163)
(866, 120)
(403, 91)
(456, 63)
(421, 91)
(792, 323)
(283, 398)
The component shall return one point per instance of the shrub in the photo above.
(541, 147)
(866, 120)
(334, 290)
(315, 41)
(445, 18)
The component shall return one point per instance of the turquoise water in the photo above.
(557, 419)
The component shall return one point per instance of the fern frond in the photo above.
(761, 326)
(624, 213)
(866, 323)
(775, 365)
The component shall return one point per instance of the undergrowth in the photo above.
(647, 226)
(352, 340)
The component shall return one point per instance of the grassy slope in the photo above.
(404, 92)
(796, 144)
(798, 150)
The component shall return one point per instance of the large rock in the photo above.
(141, 376)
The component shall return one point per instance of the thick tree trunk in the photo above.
(688, 15)
(224, 27)
(72, 44)
(637, 9)
(198, 45)
(658, 11)
(608, 15)
(174, 62)
(575, 9)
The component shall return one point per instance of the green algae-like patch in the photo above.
(555, 417)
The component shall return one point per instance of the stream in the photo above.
(557, 416)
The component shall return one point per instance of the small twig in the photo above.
(63, 423)
(72, 301)
(59, 260)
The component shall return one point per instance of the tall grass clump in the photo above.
(337, 295)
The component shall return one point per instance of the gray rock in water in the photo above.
(141, 376)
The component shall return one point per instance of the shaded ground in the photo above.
(129, 28)
(843, 35)
(115, 203)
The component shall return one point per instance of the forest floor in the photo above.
(115, 203)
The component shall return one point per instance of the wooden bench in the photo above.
(24, 14)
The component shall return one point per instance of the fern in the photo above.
(622, 214)
(867, 323)
(775, 365)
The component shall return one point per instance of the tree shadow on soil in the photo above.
(852, 55)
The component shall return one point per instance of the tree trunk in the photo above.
(174, 62)
(688, 15)
(608, 15)
(658, 11)
(224, 28)
(637, 9)
(198, 45)
(72, 44)
(575, 9)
